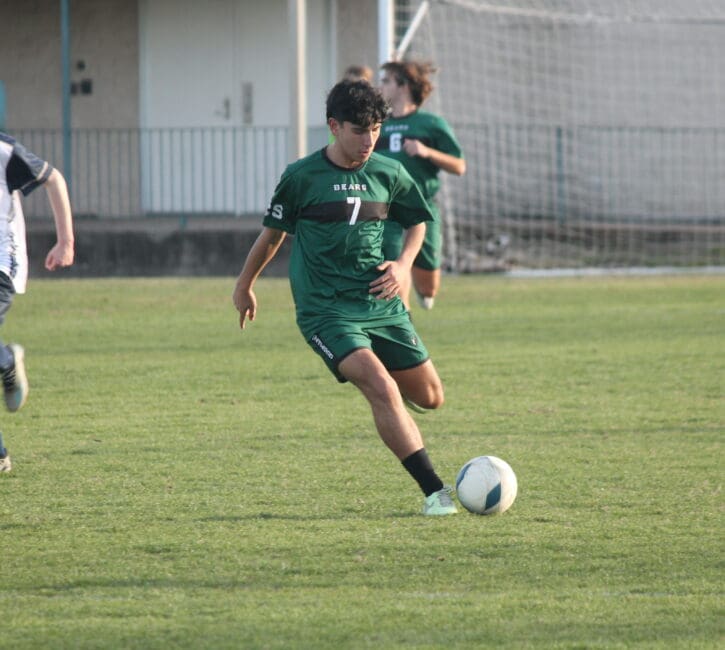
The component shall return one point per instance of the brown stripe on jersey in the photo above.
(342, 211)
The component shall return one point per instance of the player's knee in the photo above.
(431, 397)
(380, 389)
(435, 398)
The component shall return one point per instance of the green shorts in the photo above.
(429, 257)
(398, 346)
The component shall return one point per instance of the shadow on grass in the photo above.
(272, 516)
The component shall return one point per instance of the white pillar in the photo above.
(386, 30)
(297, 16)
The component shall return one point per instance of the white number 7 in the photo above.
(356, 202)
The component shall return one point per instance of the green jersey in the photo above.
(337, 217)
(433, 131)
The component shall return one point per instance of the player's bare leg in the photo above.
(420, 385)
(395, 426)
(426, 285)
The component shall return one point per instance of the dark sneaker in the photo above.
(15, 381)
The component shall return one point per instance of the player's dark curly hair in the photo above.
(356, 102)
(415, 74)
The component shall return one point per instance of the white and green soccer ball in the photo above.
(486, 485)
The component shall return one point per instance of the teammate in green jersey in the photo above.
(335, 202)
(425, 144)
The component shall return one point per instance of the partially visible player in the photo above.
(335, 202)
(22, 172)
(425, 144)
(359, 73)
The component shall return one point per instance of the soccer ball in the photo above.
(486, 485)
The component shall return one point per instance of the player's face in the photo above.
(389, 88)
(354, 144)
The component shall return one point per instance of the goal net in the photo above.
(594, 132)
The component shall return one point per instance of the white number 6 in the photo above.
(356, 202)
(396, 142)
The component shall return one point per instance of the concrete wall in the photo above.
(155, 247)
(104, 42)
(357, 34)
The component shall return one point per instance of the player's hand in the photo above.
(246, 303)
(62, 254)
(415, 147)
(387, 285)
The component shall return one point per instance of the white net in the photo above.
(593, 131)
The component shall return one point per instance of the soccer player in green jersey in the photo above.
(425, 144)
(335, 202)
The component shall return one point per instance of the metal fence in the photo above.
(121, 173)
(548, 196)
(555, 196)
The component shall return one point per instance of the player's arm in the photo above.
(62, 253)
(263, 250)
(447, 162)
(388, 284)
(412, 242)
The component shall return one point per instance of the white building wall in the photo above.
(201, 63)
(223, 64)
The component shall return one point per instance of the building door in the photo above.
(215, 100)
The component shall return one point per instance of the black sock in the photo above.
(421, 469)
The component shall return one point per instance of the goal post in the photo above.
(594, 132)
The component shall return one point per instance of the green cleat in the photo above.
(440, 503)
(15, 381)
(413, 406)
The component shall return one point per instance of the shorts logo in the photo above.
(322, 347)
(414, 340)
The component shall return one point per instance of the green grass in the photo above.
(180, 484)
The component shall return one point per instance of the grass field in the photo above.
(180, 484)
